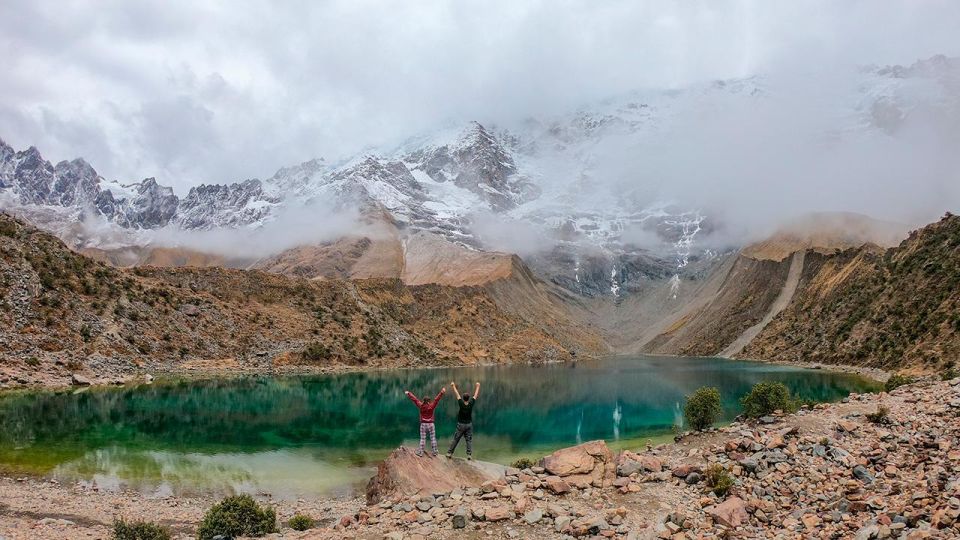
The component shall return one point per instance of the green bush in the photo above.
(523, 463)
(235, 516)
(300, 522)
(139, 530)
(718, 479)
(897, 380)
(949, 373)
(702, 408)
(765, 398)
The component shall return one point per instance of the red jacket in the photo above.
(426, 407)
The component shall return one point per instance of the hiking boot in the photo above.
(419, 453)
(469, 458)
(449, 456)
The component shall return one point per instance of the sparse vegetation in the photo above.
(316, 352)
(8, 228)
(139, 530)
(881, 416)
(703, 408)
(718, 479)
(897, 380)
(301, 522)
(235, 516)
(32, 361)
(765, 398)
(523, 463)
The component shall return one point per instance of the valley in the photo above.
(172, 341)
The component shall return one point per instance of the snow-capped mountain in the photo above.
(551, 178)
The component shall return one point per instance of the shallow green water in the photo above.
(321, 434)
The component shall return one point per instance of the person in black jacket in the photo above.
(464, 420)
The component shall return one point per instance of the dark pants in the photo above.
(463, 430)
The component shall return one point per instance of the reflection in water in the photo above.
(315, 433)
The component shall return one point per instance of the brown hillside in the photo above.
(898, 308)
(64, 312)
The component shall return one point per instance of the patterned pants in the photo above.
(428, 427)
(463, 430)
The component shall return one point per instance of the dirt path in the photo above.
(782, 301)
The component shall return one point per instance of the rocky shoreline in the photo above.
(835, 471)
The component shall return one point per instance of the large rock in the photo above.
(403, 473)
(731, 512)
(590, 463)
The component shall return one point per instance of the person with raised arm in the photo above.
(426, 408)
(464, 420)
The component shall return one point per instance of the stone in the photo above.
(562, 523)
(767, 420)
(459, 521)
(684, 470)
(811, 521)
(533, 516)
(730, 513)
(862, 474)
(79, 380)
(403, 473)
(499, 513)
(557, 485)
(692, 478)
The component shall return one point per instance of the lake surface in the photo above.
(303, 435)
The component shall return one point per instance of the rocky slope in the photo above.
(891, 308)
(63, 313)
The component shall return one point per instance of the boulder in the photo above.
(405, 474)
(730, 513)
(79, 380)
(590, 463)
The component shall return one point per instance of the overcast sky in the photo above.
(191, 91)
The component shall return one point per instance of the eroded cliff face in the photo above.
(894, 308)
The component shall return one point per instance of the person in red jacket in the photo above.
(427, 407)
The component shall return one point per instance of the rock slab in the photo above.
(404, 473)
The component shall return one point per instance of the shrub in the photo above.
(523, 463)
(718, 479)
(897, 380)
(880, 416)
(317, 351)
(765, 398)
(139, 530)
(300, 522)
(8, 228)
(702, 408)
(32, 361)
(949, 373)
(235, 516)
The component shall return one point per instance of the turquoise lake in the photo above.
(306, 435)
